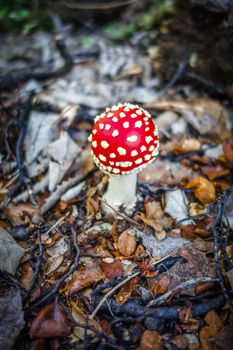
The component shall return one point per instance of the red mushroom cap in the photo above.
(124, 139)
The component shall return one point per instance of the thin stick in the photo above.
(182, 285)
(58, 222)
(120, 214)
(106, 296)
(60, 282)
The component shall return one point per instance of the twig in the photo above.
(38, 266)
(120, 214)
(188, 218)
(182, 285)
(107, 295)
(218, 220)
(179, 74)
(11, 80)
(62, 188)
(23, 177)
(63, 278)
(58, 222)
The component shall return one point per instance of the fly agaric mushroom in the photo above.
(124, 140)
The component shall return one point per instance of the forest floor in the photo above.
(72, 276)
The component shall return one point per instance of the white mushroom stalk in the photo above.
(121, 191)
(124, 140)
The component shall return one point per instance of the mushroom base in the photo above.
(121, 191)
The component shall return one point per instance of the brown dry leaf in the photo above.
(91, 204)
(213, 172)
(161, 286)
(187, 145)
(195, 209)
(112, 268)
(18, 213)
(204, 114)
(180, 341)
(185, 314)
(204, 286)
(203, 189)
(86, 276)
(154, 218)
(207, 333)
(81, 317)
(126, 291)
(164, 172)
(26, 275)
(53, 263)
(51, 321)
(228, 151)
(151, 340)
(224, 339)
(127, 242)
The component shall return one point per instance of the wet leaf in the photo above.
(86, 276)
(180, 341)
(126, 291)
(151, 340)
(203, 189)
(161, 286)
(224, 339)
(187, 145)
(185, 315)
(176, 205)
(17, 213)
(81, 317)
(154, 217)
(51, 321)
(165, 172)
(112, 268)
(127, 242)
(213, 172)
(209, 332)
(53, 263)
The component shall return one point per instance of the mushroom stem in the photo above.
(121, 191)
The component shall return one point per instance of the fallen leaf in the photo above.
(203, 189)
(154, 217)
(127, 242)
(11, 312)
(164, 172)
(187, 145)
(26, 275)
(53, 263)
(81, 317)
(126, 291)
(151, 340)
(112, 268)
(62, 152)
(205, 115)
(41, 131)
(84, 277)
(180, 341)
(213, 172)
(51, 321)
(176, 205)
(17, 213)
(161, 286)
(230, 277)
(228, 151)
(209, 332)
(185, 314)
(224, 338)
